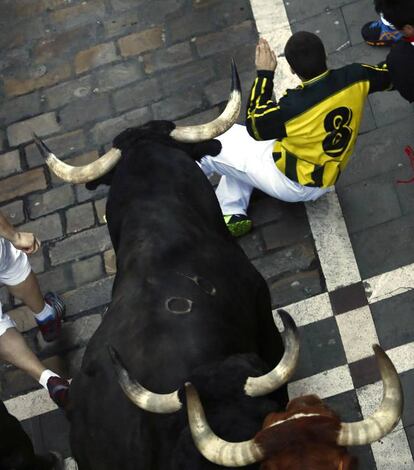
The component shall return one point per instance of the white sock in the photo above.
(46, 374)
(45, 313)
(387, 23)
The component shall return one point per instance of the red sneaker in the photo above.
(51, 327)
(59, 391)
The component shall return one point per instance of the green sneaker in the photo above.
(238, 224)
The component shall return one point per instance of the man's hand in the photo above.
(265, 57)
(26, 242)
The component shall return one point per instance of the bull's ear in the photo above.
(130, 137)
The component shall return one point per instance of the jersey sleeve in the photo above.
(264, 117)
(378, 76)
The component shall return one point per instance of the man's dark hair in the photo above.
(306, 54)
(397, 12)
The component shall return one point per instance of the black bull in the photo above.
(187, 305)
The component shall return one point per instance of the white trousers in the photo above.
(14, 269)
(244, 164)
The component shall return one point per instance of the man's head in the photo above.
(306, 55)
(400, 13)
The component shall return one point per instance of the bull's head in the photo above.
(308, 435)
(254, 386)
(186, 134)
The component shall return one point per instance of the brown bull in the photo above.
(308, 436)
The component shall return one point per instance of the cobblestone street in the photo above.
(79, 72)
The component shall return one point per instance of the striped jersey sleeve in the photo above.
(264, 117)
(378, 76)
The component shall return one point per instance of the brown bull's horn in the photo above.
(213, 448)
(258, 386)
(140, 396)
(386, 417)
(78, 174)
(221, 124)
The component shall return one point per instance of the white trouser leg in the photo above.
(248, 164)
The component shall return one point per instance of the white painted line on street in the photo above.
(307, 311)
(325, 384)
(332, 242)
(357, 332)
(389, 284)
(29, 405)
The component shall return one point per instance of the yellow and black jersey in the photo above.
(316, 124)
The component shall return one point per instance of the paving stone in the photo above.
(390, 107)
(61, 145)
(299, 257)
(138, 95)
(89, 12)
(50, 201)
(292, 229)
(55, 432)
(218, 91)
(22, 184)
(384, 247)
(94, 57)
(10, 163)
(80, 112)
(356, 15)
(298, 10)
(193, 74)
(215, 16)
(321, 348)
(176, 55)
(19, 108)
(369, 203)
(110, 262)
(105, 131)
(329, 26)
(244, 57)
(5, 298)
(80, 217)
(89, 296)
(83, 194)
(361, 54)
(37, 261)
(87, 270)
(24, 318)
(74, 334)
(42, 125)
(28, 8)
(268, 210)
(140, 16)
(199, 118)
(64, 93)
(137, 43)
(2, 139)
(45, 228)
(296, 287)
(100, 207)
(393, 320)
(57, 48)
(118, 76)
(126, 4)
(14, 212)
(80, 245)
(21, 86)
(17, 382)
(252, 244)
(378, 152)
(178, 106)
(368, 123)
(226, 39)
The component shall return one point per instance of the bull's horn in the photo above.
(213, 448)
(258, 386)
(221, 124)
(139, 395)
(78, 174)
(388, 414)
